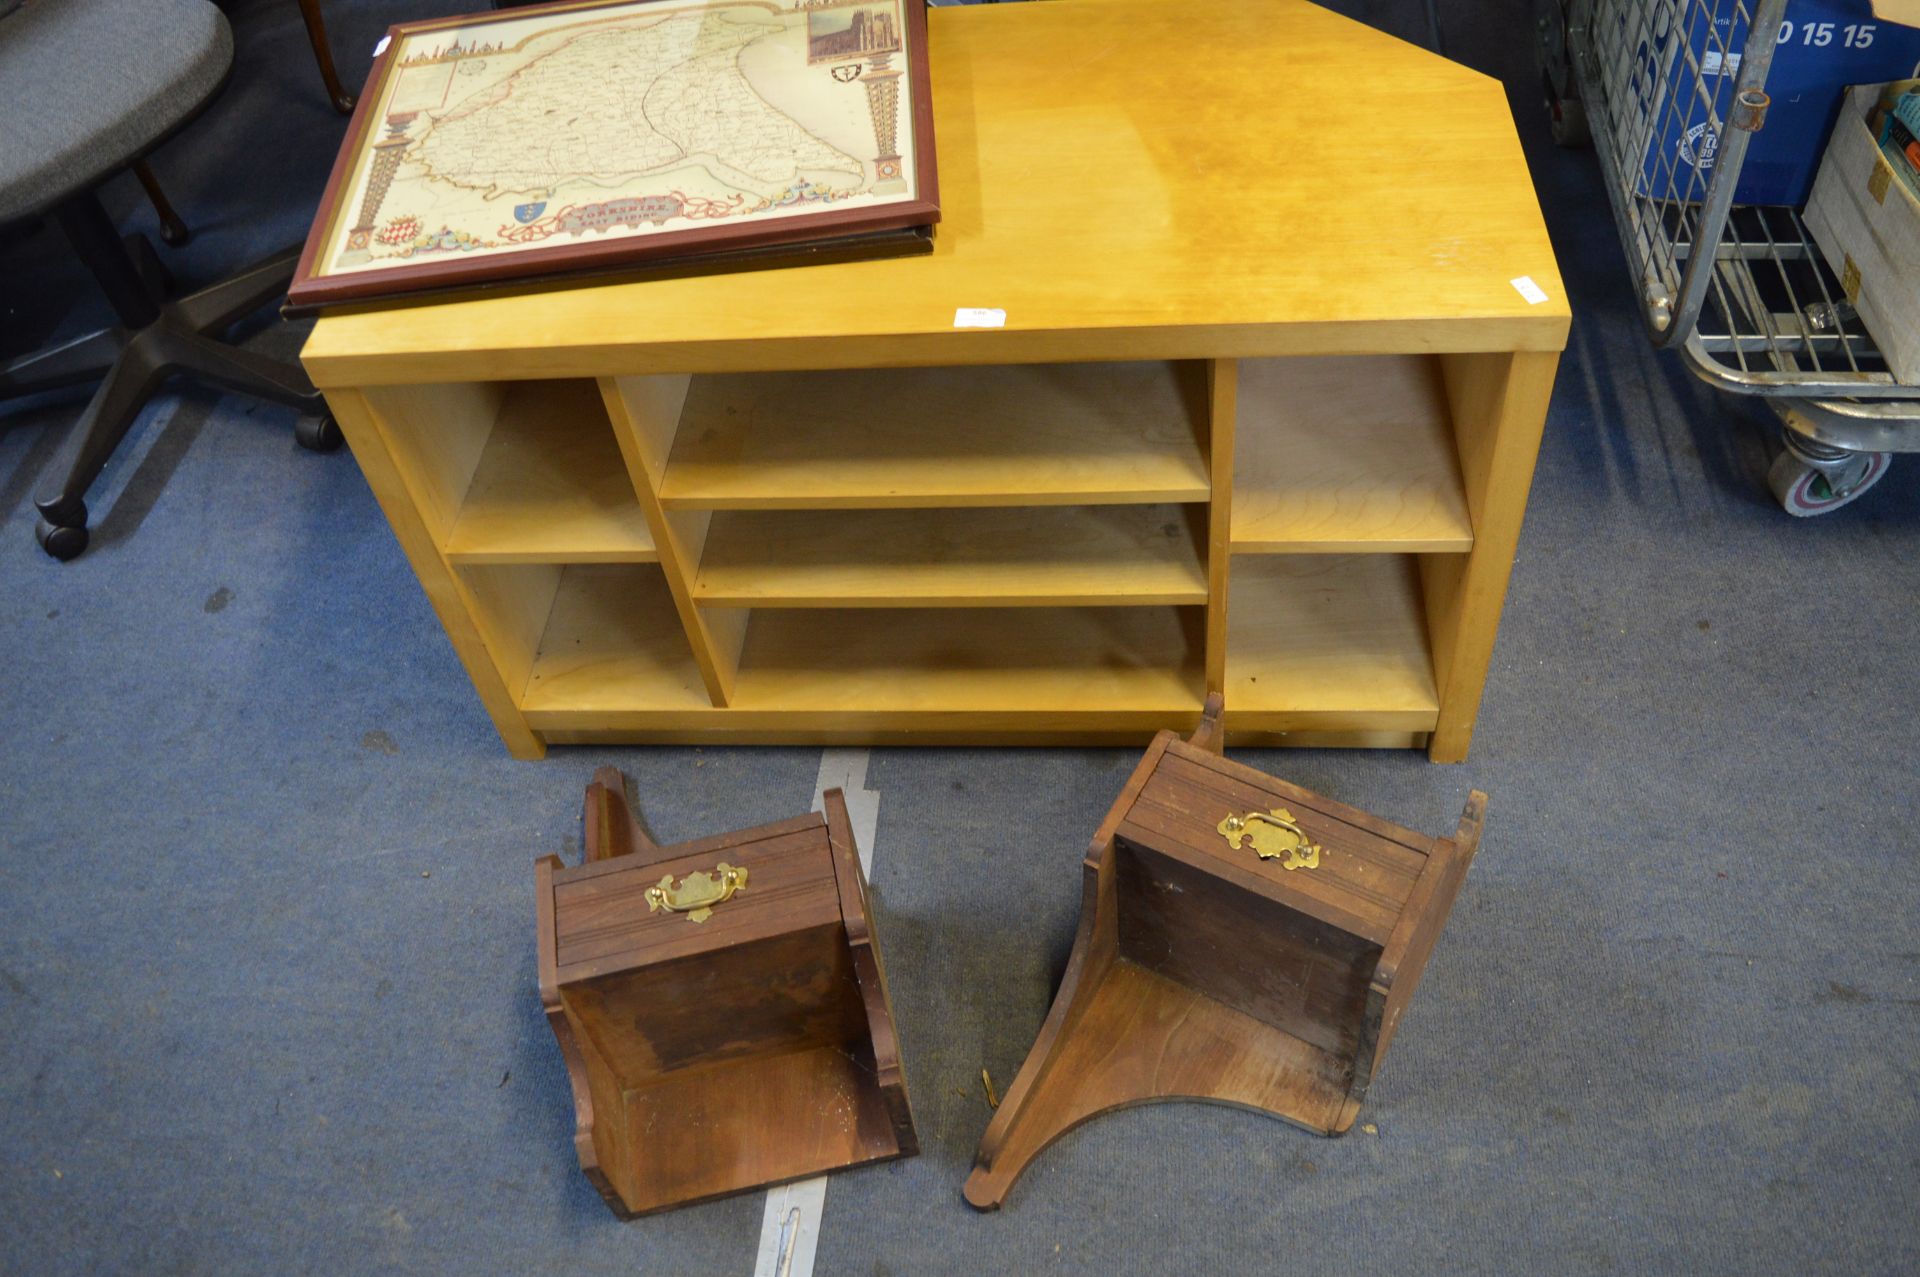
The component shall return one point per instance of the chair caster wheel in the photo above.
(62, 541)
(318, 434)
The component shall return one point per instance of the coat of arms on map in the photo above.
(616, 134)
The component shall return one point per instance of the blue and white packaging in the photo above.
(1822, 47)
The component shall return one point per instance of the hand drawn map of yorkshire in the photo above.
(595, 134)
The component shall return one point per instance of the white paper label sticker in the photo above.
(381, 47)
(1529, 290)
(979, 317)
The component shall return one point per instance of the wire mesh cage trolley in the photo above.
(1670, 94)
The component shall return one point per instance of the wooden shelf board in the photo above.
(1012, 556)
(824, 1094)
(978, 660)
(1328, 649)
(1022, 434)
(1346, 454)
(613, 639)
(1256, 736)
(1328, 643)
(1121, 671)
(642, 727)
(550, 486)
(639, 727)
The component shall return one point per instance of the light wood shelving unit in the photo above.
(799, 506)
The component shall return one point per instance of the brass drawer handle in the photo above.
(698, 892)
(1275, 836)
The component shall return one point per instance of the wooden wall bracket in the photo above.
(1202, 971)
(717, 1049)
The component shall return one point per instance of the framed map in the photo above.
(591, 136)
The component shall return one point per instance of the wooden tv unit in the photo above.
(1261, 419)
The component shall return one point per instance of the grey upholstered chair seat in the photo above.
(85, 85)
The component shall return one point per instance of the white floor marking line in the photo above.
(790, 1225)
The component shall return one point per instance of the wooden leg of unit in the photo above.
(1211, 735)
(609, 825)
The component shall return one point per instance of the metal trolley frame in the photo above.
(1669, 93)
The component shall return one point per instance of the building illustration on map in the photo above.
(849, 31)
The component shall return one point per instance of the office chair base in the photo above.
(318, 434)
(82, 359)
(178, 339)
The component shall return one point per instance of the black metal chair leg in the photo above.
(238, 370)
(211, 309)
(82, 359)
(109, 414)
(156, 339)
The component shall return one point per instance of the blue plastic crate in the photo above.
(1822, 47)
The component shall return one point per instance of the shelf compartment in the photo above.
(1023, 434)
(902, 675)
(1017, 666)
(549, 485)
(1011, 556)
(612, 639)
(1346, 454)
(1328, 643)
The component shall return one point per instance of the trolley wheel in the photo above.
(318, 434)
(1568, 120)
(1804, 490)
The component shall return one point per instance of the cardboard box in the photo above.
(1867, 224)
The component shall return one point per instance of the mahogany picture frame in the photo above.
(312, 290)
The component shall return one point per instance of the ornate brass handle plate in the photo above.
(697, 893)
(1275, 836)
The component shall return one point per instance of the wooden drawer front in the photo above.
(1366, 870)
(602, 922)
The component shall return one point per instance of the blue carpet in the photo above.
(266, 946)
